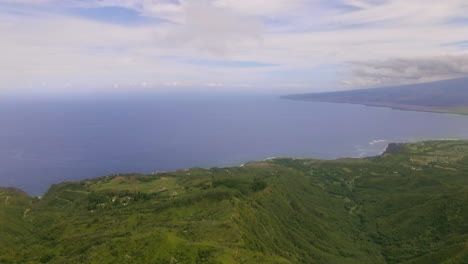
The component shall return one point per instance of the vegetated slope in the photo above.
(448, 96)
(407, 206)
(14, 230)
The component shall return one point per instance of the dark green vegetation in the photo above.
(449, 96)
(407, 206)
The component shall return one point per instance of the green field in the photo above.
(406, 206)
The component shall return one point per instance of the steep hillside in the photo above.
(405, 206)
(448, 96)
(14, 229)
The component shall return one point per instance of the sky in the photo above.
(261, 46)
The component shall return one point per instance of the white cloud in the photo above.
(38, 2)
(267, 8)
(301, 40)
(407, 70)
(212, 29)
(405, 12)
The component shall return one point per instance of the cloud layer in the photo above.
(282, 45)
(407, 70)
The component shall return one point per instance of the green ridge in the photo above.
(405, 206)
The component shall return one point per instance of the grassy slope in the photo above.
(404, 207)
(14, 230)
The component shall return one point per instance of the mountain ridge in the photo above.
(446, 96)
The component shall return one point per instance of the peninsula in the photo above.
(447, 96)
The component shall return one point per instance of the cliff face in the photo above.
(393, 148)
(407, 206)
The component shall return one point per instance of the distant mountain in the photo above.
(408, 205)
(448, 96)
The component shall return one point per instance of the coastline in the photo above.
(411, 108)
(391, 148)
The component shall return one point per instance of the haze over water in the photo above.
(46, 141)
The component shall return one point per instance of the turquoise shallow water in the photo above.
(45, 141)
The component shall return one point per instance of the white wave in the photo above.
(377, 141)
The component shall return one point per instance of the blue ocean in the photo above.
(49, 140)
